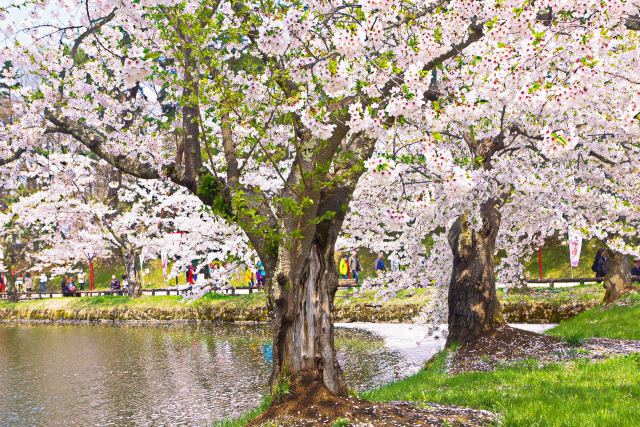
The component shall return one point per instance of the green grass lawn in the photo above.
(115, 301)
(593, 292)
(620, 322)
(555, 260)
(580, 393)
(576, 394)
(343, 297)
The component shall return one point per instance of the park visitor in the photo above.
(190, 278)
(249, 277)
(115, 284)
(344, 268)
(43, 282)
(125, 283)
(19, 282)
(3, 284)
(81, 279)
(215, 275)
(394, 265)
(635, 270)
(379, 265)
(354, 266)
(260, 274)
(71, 287)
(63, 285)
(599, 265)
(28, 282)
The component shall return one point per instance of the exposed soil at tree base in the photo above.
(309, 403)
(506, 346)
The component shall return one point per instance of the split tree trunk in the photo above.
(473, 304)
(303, 306)
(12, 292)
(133, 275)
(617, 276)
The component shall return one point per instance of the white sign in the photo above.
(575, 245)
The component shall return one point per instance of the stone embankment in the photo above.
(514, 312)
(543, 311)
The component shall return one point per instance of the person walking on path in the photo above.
(599, 265)
(635, 270)
(379, 265)
(249, 277)
(3, 284)
(394, 265)
(344, 268)
(354, 266)
(63, 286)
(81, 280)
(190, 278)
(43, 282)
(19, 283)
(28, 282)
(260, 274)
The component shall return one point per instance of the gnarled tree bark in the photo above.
(617, 278)
(12, 292)
(303, 309)
(473, 304)
(133, 274)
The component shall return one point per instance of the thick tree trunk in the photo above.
(303, 324)
(12, 292)
(473, 304)
(133, 274)
(617, 277)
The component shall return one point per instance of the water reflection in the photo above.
(187, 375)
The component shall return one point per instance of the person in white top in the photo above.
(28, 282)
(125, 282)
(43, 282)
(19, 282)
(81, 277)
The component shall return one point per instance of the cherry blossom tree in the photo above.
(536, 110)
(76, 219)
(268, 112)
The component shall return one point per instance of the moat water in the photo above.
(62, 375)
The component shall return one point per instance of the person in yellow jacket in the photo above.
(344, 268)
(250, 277)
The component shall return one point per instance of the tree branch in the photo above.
(13, 156)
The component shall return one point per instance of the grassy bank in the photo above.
(619, 322)
(583, 293)
(350, 306)
(578, 393)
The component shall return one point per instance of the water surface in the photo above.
(133, 375)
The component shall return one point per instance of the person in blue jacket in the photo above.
(379, 265)
(599, 265)
(635, 270)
